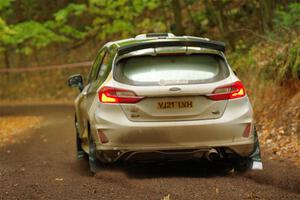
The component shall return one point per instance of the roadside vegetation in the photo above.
(262, 37)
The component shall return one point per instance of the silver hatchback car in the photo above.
(160, 97)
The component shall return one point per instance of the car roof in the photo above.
(164, 39)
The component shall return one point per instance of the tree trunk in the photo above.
(267, 12)
(7, 63)
(208, 7)
(223, 25)
(178, 17)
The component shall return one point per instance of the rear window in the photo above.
(171, 69)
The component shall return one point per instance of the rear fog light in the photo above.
(102, 137)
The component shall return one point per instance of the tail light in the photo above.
(233, 91)
(115, 95)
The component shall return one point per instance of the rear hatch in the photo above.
(174, 86)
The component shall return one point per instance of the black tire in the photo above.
(243, 164)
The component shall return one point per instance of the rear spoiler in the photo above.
(209, 44)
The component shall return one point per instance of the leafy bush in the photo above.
(288, 19)
(291, 65)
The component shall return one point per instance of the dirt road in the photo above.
(44, 166)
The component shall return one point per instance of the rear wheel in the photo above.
(243, 164)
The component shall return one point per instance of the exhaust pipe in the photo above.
(212, 155)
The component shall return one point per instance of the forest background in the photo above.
(39, 38)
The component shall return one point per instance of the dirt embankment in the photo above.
(279, 125)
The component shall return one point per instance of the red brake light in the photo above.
(115, 95)
(233, 91)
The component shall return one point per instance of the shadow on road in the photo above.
(195, 169)
(175, 169)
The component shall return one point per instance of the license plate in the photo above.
(174, 104)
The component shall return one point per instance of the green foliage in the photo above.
(239, 24)
(5, 4)
(71, 10)
(118, 17)
(291, 64)
(289, 18)
(252, 29)
(28, 35)
(34, 33)
(25, 36)
(4, 28)
(5, 35)
(62, 18)
(295, 64)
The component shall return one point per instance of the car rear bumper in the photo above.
(124, 136)
(158, 140)
(169, 153)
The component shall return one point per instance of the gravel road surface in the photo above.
(44, 166)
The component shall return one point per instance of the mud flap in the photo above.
(80, 152)
(255, 156)
(94, 163)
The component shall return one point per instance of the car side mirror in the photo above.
(76, 81)
(235, 73)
